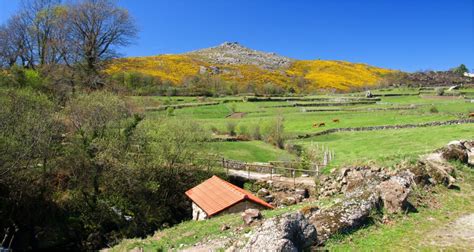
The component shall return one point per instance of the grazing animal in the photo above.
(315, 125)
(335, 120)
(471, 114)
(322, 124)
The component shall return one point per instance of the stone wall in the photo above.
(387, 127)
(242, 206)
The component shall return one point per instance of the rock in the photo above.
(290, 232)
(224, 227)
(263, 192)
(436, 167)
(346, 215)
(455, 151)
(394, 192)
(353, 179)
(298, 198)
(202, 70)
(232, 53)
(368, 94)
(269, 198)
(288, 201)
(250, 215)
(215, 70)
(302, 191)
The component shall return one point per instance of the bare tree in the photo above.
(15, 42)
(98, 27)
(41, 19)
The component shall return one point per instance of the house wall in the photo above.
(242, 206)
(199, 214)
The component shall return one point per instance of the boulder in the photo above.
(394, 192)
(438, 170)
(224, 227)
(269, 198)
(302, 192)
(288, 201)
(455, 150)
(290, 232)
(263, 192)
(251, 214)
(202, 70)
(348, 214)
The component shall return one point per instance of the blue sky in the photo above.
(398, 34)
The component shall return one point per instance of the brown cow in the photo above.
(335, 120)
(471, 114)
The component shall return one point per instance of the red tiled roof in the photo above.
(215, 195)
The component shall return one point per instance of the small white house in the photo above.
(216, 196)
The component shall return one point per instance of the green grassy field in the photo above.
(379, 146)
(382, 147)
(388, 147)
(249, 151)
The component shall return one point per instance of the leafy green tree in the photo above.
(29, 141)
(461, 69)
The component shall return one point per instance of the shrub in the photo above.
(214, 129)
(275, 132)
(231, 126)
(243, 130)
(255, 132)
(170, 111)
(433, 109)
(440, 91)
(233, 107)
(293, 149)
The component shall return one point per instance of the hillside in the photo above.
(235, 63)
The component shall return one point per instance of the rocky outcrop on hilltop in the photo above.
(232, 53)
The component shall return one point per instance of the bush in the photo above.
(243, 130)
(214, 129)
(170, 111)
(433, 110)
(231, 126)
(233, 107)
(440, 91)
(255, 132)
(275, 132)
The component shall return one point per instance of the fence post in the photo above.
(294, 178)
(248, 171)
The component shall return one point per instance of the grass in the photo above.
(415, 230)
(190, 232)
(385, 147)
(388, 147)
(250, 151)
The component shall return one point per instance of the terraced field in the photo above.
(381, 146)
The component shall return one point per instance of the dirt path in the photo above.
(457, 235)
(277, 178)
(237, 115)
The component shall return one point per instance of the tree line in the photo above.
(76, 37)
(80, 166)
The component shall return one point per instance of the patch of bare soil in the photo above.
(237, 115)
(457, 235)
